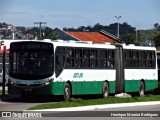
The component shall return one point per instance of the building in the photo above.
(96, 37)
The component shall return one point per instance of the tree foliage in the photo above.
(157, 40)
(124, 28)
(129, 38)
(48, 33)
(157, 26)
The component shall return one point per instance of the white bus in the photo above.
(78, 68)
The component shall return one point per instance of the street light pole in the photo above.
(118, 17)
(136, 33)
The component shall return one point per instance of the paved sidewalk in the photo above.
(94, 107)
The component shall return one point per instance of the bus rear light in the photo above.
(4, 47)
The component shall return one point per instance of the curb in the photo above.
(94, 107)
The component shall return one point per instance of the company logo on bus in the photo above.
(78, 75)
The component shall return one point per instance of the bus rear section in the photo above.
(136, 69)
(141, 72)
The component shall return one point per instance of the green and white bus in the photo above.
(158, 62)
(79, 68)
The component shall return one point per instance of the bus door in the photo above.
(120, 83)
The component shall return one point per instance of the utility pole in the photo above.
(136, 34)
(4, 71)
(40, 27)
(13, 34)
(118, 17)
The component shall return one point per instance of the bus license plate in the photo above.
(28, 89)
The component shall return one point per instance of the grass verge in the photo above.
(6, 92)
(109, 100)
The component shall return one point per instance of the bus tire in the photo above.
(67, 92)
(105, 90)
(141, 89)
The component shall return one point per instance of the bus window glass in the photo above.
(86, 53)
(78, 53)
(158, 60)
(59, 60)
(32, 62)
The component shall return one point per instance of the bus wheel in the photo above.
(67, 92)
(105, 90)
(141, 89)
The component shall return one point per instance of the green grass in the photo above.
(6, 92)
(109, 100)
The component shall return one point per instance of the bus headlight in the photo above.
(49, 82)
(12, 83)
(9, 81)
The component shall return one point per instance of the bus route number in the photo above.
(78, 75)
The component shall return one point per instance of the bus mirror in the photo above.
(2, 43)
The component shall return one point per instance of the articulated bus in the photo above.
(158, 61)
(79, 68)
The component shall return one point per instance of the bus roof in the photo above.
(89, 44)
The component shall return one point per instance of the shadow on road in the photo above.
(30, 99)
(48, 98)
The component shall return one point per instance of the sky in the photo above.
(142, 14)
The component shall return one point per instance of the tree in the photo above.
(157, 26)
(54, 37)
(157, 40)
(48, 33)
(129, 38)
(124, 28)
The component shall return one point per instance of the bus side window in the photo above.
(150, 61)
(93, 58)
(86, 58)
(59, 60)
(128, 59)
(110, 63)
(153, 59)
(135, 59)
(103, 58)
(78, 57)
(70, 57)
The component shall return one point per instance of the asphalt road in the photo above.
(105, 114)
(102, 114)
(16, 103)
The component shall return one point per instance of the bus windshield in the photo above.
(31, 62)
